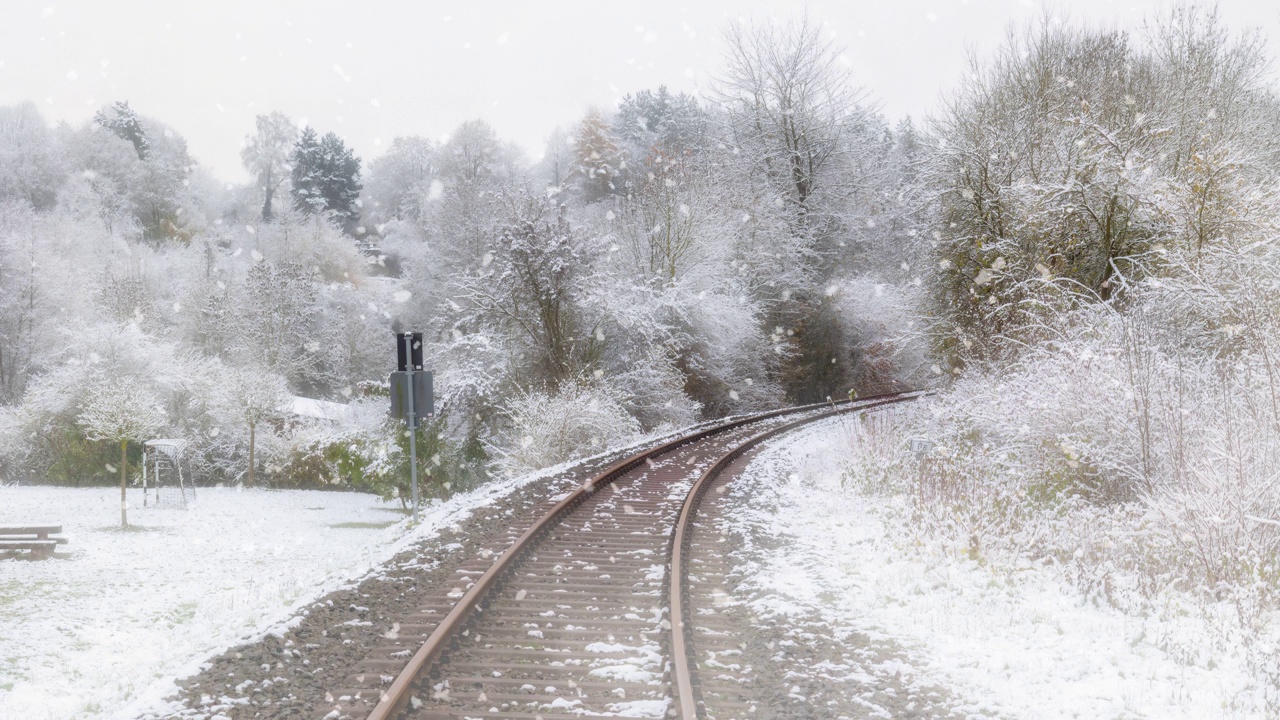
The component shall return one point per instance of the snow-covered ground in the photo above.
(105, 632)
(110, 625)
(1009, 642)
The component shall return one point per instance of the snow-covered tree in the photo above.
(277, 328)
(32, 162)
(790, 107)
(404, 179)
(266, 155)
(121, 409)
(22, 300)
(1067, 172)
(661, 130)
(556, 165)
(123, 121)
(253, 396)
(600, 164)
(470, 153)
(530, 289)
(326, 178)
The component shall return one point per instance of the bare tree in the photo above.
(254, 396)
(529, 289)
(790, 107)
(266, 155)
(470, 152)
(401, 180)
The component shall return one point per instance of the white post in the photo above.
(144, 475)
(413, 446)
(177, 462)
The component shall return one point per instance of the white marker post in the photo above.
(413, 448)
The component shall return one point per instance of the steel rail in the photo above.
(688, 704)
(395, 697)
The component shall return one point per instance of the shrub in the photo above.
(544, 429)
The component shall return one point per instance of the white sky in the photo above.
(376, 69)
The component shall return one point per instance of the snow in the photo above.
(1011, 642)
(641, 708)
(87, 635)
(130, 612)
(317, 409)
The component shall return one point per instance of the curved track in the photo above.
(587, 611)
(693, 623)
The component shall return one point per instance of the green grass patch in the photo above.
(365, 525)
(133, 529)
(181, 614)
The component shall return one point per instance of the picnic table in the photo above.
(40, 540)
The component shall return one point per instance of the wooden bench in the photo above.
(39, 539)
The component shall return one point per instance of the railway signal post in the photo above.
(412, 398)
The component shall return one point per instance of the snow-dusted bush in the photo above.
(885, 335)
(357, 450)
(1019, 443)
(729, 358)
(369, 451)
(308, 241)
(1124, 146)
(655, 395)
(545, 429)
(1142, 467)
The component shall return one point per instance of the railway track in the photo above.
(590, 609)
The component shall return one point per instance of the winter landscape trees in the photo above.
(1080, 247)
(682, 257)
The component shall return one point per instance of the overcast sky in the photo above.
(372, 70)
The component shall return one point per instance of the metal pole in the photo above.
(413, 447)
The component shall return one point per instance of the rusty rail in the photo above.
(450, 627)
(688, 704)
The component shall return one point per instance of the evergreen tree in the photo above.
(306, 173)
(600, 162)
(326, 177)
(125, 124)
(661, 122)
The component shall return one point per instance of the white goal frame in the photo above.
(172, 449)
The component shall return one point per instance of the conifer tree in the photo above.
(125, 124)
(599, 160)
(326, 177)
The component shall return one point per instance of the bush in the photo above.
(579, 421)
(375, 458)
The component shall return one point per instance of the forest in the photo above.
(1078, 249)
(673, 259)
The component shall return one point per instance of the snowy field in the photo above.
(110, 625)
(1010, 642)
